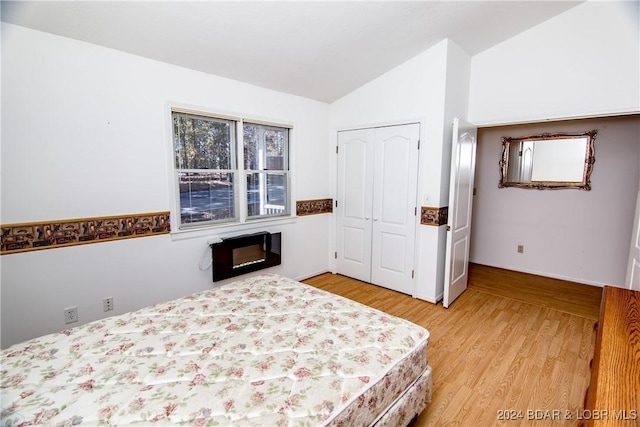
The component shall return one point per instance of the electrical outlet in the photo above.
(520, 249)
(107, 304)
(70, 314)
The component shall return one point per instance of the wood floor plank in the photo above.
(575, 298)
(493, 352)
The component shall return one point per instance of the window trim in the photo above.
(243, 223)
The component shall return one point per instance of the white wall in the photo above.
(431, 88)
(584, 62)
(84, 133)
(583, 236)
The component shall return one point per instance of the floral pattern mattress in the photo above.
(263, 351)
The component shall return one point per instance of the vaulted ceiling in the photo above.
(316, 49)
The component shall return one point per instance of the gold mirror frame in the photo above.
(589, 160)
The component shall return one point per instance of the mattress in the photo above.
(263, 351)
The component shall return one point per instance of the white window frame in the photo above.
(232, 171)
(264, 171)
(242, 221)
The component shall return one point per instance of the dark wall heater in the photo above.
(243, 254)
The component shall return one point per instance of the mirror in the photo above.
(559, 160)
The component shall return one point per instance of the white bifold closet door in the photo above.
(377, 210)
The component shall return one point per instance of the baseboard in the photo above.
(309, 276)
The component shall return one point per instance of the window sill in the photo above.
(228, 230)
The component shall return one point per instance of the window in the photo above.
(266, 168)
(229, 170)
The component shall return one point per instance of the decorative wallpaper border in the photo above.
(314, 207)
(70, 232)
(434, 216)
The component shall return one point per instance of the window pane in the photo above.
(266, 194)
(252, 135)
(275, 141)
(206, 197)
(265, 148)
(202, 143)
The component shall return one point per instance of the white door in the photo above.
(376, 212)
(633, 271)
(463, 165)
(395, 186)
(353, 222)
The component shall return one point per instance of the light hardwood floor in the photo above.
(561, 295)
(493, 353)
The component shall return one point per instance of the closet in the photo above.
(376, 212)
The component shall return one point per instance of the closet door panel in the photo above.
(392, 258)
(354, 196)
(394, 206)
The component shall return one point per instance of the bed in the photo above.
(262, 351)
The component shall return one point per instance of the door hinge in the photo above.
(415, 211)
(335, 255)
(336, 149)
(336, 203)
(418, 144)
(413, 273)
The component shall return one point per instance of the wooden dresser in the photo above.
(613, 398)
